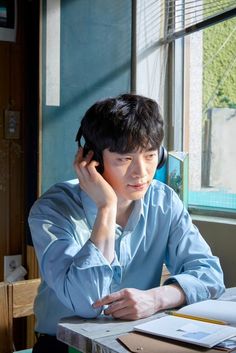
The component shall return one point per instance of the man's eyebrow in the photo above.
(124, 153)
(150, 149)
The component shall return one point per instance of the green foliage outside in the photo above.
(219, 70)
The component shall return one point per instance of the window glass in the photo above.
(210, 116)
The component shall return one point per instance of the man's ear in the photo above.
(162, 157)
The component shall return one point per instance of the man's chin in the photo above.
(138, 195)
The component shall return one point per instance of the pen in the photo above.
(204, 319)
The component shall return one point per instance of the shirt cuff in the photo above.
(90, 256)
(193, 288)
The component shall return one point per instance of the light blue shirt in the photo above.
(75, 273)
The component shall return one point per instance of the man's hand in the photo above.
(128, 304)
(92, 182)
(134, 304)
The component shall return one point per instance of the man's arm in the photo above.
(78, 271)
(133, 304)
(103, 233)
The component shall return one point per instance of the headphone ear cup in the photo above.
(162, 157)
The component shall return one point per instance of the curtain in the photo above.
(151, 63)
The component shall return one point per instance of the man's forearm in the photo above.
(103, 234)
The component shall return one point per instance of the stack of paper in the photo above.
(187, 330)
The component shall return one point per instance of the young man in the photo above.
(101, 240)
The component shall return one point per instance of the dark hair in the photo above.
(122, 124)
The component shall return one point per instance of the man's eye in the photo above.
(124, 159)
(151, 155)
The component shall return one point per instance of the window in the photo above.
(210, 116)
(186, 60)
(207, 101)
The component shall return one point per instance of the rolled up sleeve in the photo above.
(190, 260)
(78, 274)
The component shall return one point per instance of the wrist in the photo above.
(168, 296)
(107, 215)
(108, 204)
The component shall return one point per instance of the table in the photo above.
(100, 335)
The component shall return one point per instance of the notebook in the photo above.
(213, 309)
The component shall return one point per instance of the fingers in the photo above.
(128, 304)
(120, 305)
(120, 312)
(85, 165)
(108, 299)
(123, 309)
(80, 159)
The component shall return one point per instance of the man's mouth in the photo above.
(138, 186)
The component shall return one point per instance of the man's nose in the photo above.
(139, 168)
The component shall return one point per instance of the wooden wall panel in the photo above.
(17, 76)
(4, 77)
(4, 202)
(12, 186)
(16, 200)
(18, 91)
(4, 155)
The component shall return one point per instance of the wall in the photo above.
(19, 92)
(12, 97)
(220, 235)
(95, 62)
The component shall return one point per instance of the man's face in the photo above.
(130, 174)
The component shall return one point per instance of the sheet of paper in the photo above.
(213, 309)
(186, 330)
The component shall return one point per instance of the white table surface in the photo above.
(100, 335)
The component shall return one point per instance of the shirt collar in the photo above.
(135, 215)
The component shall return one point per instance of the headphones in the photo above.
(88, 146)
(162, 157)
(162, 153)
